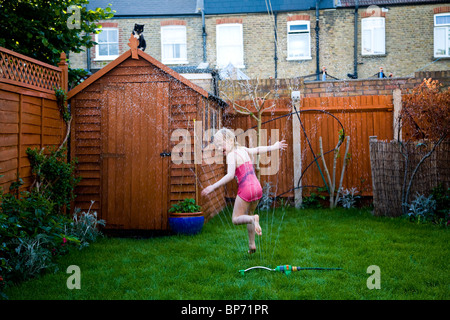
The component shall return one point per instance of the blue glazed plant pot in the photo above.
(186, 223)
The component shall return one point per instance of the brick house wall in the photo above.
(152, 35)
(408, 33)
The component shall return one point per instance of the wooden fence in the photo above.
(388, 171)
(360, 116)
(278, 129)
(29, 115)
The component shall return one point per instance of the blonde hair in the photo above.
(226, 135)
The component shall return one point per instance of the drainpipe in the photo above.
(204, 35)
(275, 15)
(317, 29)
(88, 59)
(354, 75)
(355, 49)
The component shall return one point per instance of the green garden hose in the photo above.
(287, 269)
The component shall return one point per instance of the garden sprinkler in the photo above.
(287, 269)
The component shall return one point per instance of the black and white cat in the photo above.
(138, 34)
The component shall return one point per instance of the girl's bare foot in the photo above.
(256, 224)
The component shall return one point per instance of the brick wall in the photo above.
(282, 88)
(369, 87)
(152, 35)
(409, 42)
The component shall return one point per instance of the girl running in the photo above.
(239, 164)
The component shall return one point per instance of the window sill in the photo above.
(373, 55)
(237, 67)
(175, 62)
(442, 57)
(298, 59)
(109, 58)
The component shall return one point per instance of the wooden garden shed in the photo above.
(124, 117)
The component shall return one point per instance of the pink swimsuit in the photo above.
(249, 188)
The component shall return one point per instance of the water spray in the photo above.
(287, 269)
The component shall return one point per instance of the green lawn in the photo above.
(413, 261)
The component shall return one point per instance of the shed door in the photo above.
(134, 175)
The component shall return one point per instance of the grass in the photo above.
(413, 261)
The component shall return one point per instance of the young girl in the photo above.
(249, 189)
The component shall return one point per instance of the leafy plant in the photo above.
(442, 197)
(425, 115)
(39, 28)
(27, 215)
(76, 76)
(32, 228)
(84, 226)
(61, 100)
(54, 176)
(32, 255)
(25, 219)
(267, 197)
(312, 201)
(348, 197)
(422, 208)
(187, 205)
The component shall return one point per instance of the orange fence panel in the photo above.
(29, 115)
(360, 117)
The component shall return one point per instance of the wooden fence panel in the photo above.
(361, 117)
(29, 115)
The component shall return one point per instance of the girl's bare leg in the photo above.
(253, 228)
(240, 212)
(240, 216)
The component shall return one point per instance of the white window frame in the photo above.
(445, 28)
(290, 33)
(183, 55)
(97, 49)
(239, 44)
(367, 25)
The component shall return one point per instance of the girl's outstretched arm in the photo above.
(231, 169)
(279, 145)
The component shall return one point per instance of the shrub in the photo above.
(33, 227)
(31, 256)
(267, 197)
(425, 115)
(348, 197)
(27, 214)
(30, 233)
(442, 198)
(312, 201)
(187, 205)
(422, 208)
(54, 177)
(84, 226)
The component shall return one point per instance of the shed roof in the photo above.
(126, 56)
